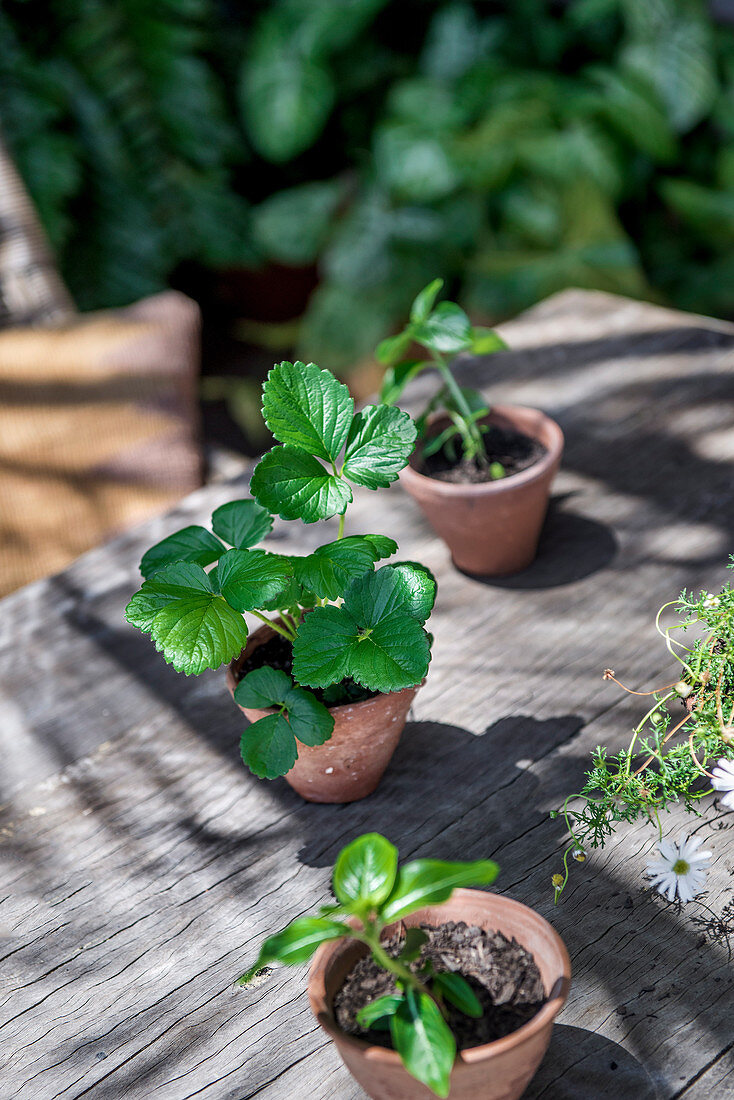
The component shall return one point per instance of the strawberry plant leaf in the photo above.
(173, 582)
(241, 523)
(268, 747)
(198, 631)
(424, 1041)
(295, 944)
(406, 586)
(194, 544)
(293, 595)
(384, 546)
(294, 485)
(432, 881)
(418, 588)
(308, 408)
(379, 445)
(328, 571)
(390, 350)
(365, 870)
(320, 651)
(307, 719)
(248, 578)
(262, 688)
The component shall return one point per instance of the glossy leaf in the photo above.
(198, 632)
(405, 586)
(425, 301)
(417, 587)
(242, 523)
(486, 340)
(328, 571)
(380, 1009)
(424, 1041)
(173, 582)
(365, 870)
(456, 989)
(448, 329)
(262, 688)
(308, 408)
(384, 547)
(295, 944)
(249, 578)
(432, 881)
(295, 485)
(268, 747)
(379, 445)
(194, 544)
(390, 350)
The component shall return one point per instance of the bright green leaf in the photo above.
(418, 588)
(249, 578)
(242, 523)
(379, 445)
(388, 351)
(458, 992)
(309, 720)
(308, 408)
(330, 568)
(295, 944)
(365, 870)
(424, 1041)
(448, 329)
(397, 378)
(432, 881)
(194, 544)
(173, 582)
(405, 586)
(424, 301)
(197, 632)
(268, 747)
(377, 1010)
(295, 485)
(262, 688)
(486, 340)
(384, 546)
(320, 651)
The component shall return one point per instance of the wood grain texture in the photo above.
(140, 864)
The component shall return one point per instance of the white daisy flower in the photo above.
(711, 602)
(681, 868)
(723, 780)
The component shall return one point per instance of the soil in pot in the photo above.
(277, 653)
(502, 973)
(514, 450)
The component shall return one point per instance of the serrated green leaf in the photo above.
(448, 329)
(432, 881)
(242, 523)
(268, 747)
(194, 544)
(328, 571)
(418, 586)
(485, 341)
(308, 720)
(456, 989)
(308, 408)
(250, 578)
(380, 442)
(198, 631)
(383, 1007)
(320, 651)
(173, 582)
(262, 688)
(365, 870)
(384, 546)
(295, 944)
(424, 1041)
(397, 378)
(293, 595)
(405, 586)
(424, 301)
(295, 485)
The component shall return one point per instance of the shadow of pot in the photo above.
(492, 528)
(500, 1070)
(350, 765)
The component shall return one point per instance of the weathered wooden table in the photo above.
(141, 863)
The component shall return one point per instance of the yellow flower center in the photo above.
(680, 867)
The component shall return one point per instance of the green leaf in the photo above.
(485, 341)
(377, 1010)
(384, 547)
(309, 720)
(268, 747)
(249, 578)
(308, 408)
(424, 1041)
(295, 485)
(432, 881)
(397, 378)
(415, 938)
(418, 588)
(242, 523)
(328, 571)
(380, 442)
(406, 586)
(173, 582)
(295, 944)
(458, 992)
(365, 870)
(424, 301)
(262, 688)
(198, 632)
(194, 544)
(448, 329)
(320, 651)
(292, 596)
(388, 351)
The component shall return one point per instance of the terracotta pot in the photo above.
(352, 762)
(492, 529)
(495, 1071)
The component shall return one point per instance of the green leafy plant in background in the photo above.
(670, 755)
(371, 892)
(345, 620)
(442, 330)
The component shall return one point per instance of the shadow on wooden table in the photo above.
(580, 1065)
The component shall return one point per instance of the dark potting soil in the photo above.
(503, 975)
(278, 653)
(514, 450)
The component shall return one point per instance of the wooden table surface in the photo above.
(141, 864)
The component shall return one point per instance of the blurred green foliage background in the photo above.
(513, 148)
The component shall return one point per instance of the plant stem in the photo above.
(340, 532)
(284, 630)
(370, 936)
(462, 406)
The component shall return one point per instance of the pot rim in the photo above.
(533, 473)
(556, 998)
(341, 708)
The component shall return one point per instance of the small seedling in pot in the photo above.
(442, 331)
(681, 748)
(347, 622)
(371, 892)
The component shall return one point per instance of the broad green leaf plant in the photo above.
(346, 620)
(442, 331)
(372, 891)
(687, 729)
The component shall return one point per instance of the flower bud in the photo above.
(683, 689)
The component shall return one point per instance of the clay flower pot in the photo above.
(352, 762)
(492, 529)
(494, 1071)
